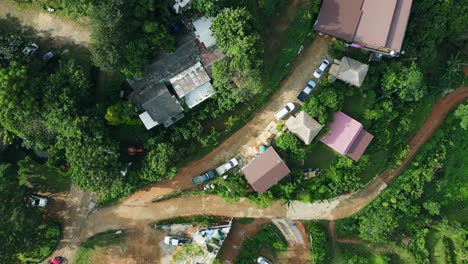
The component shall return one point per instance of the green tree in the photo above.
(159, 161)
(188, 253)
(11, 46)
(292, 146)
(122, 113)
(209, 7)
(462, 114)
(406, 82)
(233, 188)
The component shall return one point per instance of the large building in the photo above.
(347, 136)
(378, 25)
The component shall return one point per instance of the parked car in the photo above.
(175, 241)
(38, 201)
(263, 260)
(319, 71)
(209, 175)
(227, 166)
(307, 91)
(283, 112)
(30, 49)
(49, 56)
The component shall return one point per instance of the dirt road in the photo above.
(131, 215)
(47, 25)
(301, 72)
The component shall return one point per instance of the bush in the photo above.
(266, 239)
(292, 146)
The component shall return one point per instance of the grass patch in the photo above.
(375, 167)
(268, 243)
(319, 156)
(436, 247)
(102, 240)
(198, 219)
(246, 220)
(355, 104)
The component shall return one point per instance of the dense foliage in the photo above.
(25, 236)
(126, 34)
(237, 77)
(415, 204)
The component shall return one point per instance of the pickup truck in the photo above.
(227, 166)
(204, 177)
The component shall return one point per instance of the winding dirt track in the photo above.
(134, 215)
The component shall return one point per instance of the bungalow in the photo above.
(350, 71)
(347, 136)
(377, 25)
(265, 171)
(304, 127)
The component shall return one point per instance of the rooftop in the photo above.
(347, 136)
(159, 104)
(350, 71)
(374, 23)
(203, 31)
(169, 64)
(266, 170)
(304, 127)
(189, 79)
(199, 95)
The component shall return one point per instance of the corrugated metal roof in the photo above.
(265, 171)
(189, 79)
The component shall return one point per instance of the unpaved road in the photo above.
(300, 73)
(131, 215)
(47, 25)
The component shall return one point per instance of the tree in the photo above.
(462, 114)
(122, 113)
(11, 46)
(237, 35)
(292, 146)
(209, 7)
(158, 164)
(406, 82)
(233, 187)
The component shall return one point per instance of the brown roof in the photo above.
(266, 170)
(339, 18)
(375, 23)
(304, 127)
(359, 145)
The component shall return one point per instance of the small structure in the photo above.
(350, 71)
(211, 239)
(181, 5)
(265, 171)
(193, 84)
(203, 31)
(304, 127)
(373, 24)
(159, 105)
(347, 136)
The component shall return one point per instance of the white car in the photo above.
(38, 201)
(283, 112)
(31, 49)
(323, 66)
(263, 260)
(175, 241)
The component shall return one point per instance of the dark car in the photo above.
(49, 56)
(204, 177)
(307, 91)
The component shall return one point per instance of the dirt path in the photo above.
(127, 215)
(301, 72)
(72, 210)
(47, 25)
(300, 253)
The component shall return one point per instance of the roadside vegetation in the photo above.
(267, 242)
(414, 213)
(100, 241)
